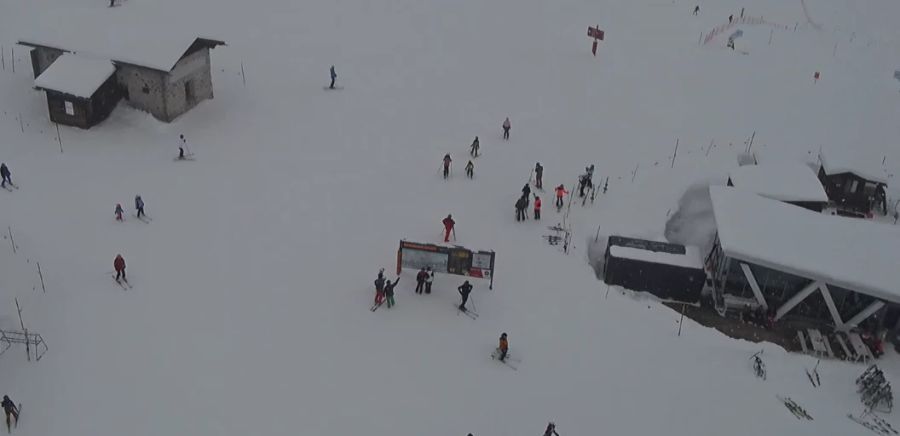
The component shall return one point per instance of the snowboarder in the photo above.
(696, 10)
(470, 170)
(11, 411)
(4, 172)
(503, 348)
(506, 127)
(379, 288)
(537, 207)
(560, 193)
(429, 278)
(119, 265)
(449, 227)
(551, 430)
(520, 208)
(119, 212)
(389, 292)
(333, 78)
(473, 149)
(420, 280)
(539, 176)
(464, 290)
(139, 205)
(447, 161)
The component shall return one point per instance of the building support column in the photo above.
(863, 314)
(835, 315)
(754, 286)
(796, 299)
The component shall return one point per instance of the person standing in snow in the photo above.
(539, 176)
(447, 161)
(520, 208)
(119, 265)
(551, 430)
(420, 280)
(449, 226)
(730, 19)
(11, 411)
(429, 278)
(696, 10)
(473, 149)
(379, 288)
(503, 347)
(5, 174)
(389, 292)
(333, 78)
(119, 212)
(139, 205)
(560, 193)
(506, 126)
(183, 152)
(470, 170)
(537, 208)
(464, 290)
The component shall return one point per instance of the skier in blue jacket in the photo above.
(139, 205)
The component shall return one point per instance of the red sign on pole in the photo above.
(595, 32)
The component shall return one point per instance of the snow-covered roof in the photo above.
(690, 259)
(134, 35)
(76, 75)
(837, 160)
(782, 181)
(851, 253)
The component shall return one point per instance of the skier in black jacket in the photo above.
(464, 291)
(11, 410)
(521, 204)
(420, 280)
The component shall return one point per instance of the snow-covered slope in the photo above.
(252, 282)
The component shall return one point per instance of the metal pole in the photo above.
(674, 155)
(59, 138)
(24, 330)
(243, 77)
(681, 322)
(41, 275)
(11, 240)
(634, 173)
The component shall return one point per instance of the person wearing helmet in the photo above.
(447, 161)
(119, 265)
(11, 411)
(503, 347)
(119, 212)
(139, 205)
(551, 430)
(537, 207)
(506, 126)
(449, 227)
(470, 169)
(560, 192)
(464, 290)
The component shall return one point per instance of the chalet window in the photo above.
(70, 108)
(145, 89)
(851, 187)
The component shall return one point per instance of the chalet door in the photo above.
(189, 91)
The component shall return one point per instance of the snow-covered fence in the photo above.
(752, 21)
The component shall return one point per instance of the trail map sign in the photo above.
(597, 34)
(446, 259)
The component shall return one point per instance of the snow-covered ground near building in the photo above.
(252, 283)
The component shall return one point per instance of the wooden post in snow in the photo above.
(41, 275)
(11, 240)
(24, 330)
(634, 173)
(674, 155)
(243, 77)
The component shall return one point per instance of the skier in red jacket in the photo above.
(537, 207)
(448, 227)
(119, 265)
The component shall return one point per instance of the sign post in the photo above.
(597, 34)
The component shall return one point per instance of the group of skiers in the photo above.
(522, 204)
(138, 206)
(473, 149)
(384, 289)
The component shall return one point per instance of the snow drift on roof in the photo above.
(75, 75)
(847, 159)
(852, 253)
(782, 181)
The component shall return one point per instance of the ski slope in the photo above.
(252, 282)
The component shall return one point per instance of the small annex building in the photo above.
(793, 183)
(790, 261)
(166, 77)
(852, 181)
(80, 91)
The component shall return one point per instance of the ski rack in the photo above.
(9, 337)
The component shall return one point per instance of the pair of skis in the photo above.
(9, 186)
(466, 312)
(144, 219)
(508, 361)
(876, 425)
(798, 411)
(123, 283)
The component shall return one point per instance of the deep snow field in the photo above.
(252, 284)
